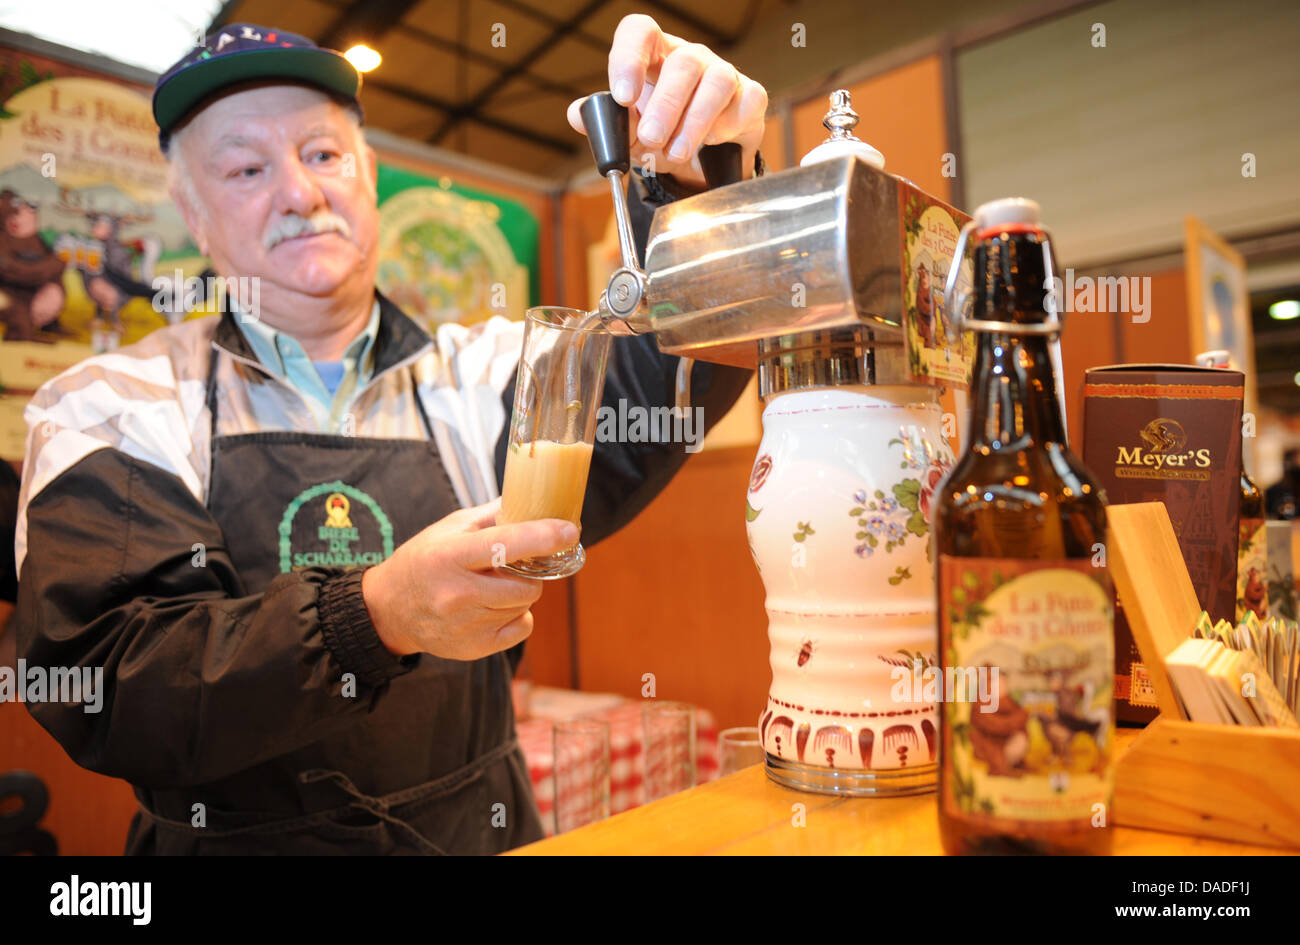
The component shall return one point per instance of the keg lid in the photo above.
(840, 122)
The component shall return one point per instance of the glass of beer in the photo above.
(552, 432)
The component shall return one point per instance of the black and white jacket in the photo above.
(113, 498)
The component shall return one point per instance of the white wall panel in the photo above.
(1119, 143)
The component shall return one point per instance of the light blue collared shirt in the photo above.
(284, 357)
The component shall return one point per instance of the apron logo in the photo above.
(355, 533)
(336, 512)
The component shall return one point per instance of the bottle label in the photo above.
(1141, 689)
(928, 231)
(1028, 664)
(1252, 570)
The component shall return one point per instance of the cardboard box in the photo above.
(1170, 433)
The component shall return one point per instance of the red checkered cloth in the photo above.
(626, 756)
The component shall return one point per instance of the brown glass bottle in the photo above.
(1018, 493)
(1252, 500)
(1252, 557)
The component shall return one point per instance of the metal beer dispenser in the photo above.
(829, 279)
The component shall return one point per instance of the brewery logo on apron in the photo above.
(333, 525)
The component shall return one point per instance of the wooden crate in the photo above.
(1226, 781)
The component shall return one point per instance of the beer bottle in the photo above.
(1252, 554)
(1024, 599)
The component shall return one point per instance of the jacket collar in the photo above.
(398, 337)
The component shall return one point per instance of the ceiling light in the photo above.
(1284, 310)
(363, 57)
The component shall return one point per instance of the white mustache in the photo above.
(291, 225)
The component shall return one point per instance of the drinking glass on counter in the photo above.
(552, 430)
(669, 730)
(738, 748)
(581, 759)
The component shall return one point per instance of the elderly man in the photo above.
(179, 493)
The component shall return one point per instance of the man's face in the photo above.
(262, 159)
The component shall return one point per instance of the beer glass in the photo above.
(738, 748)
(581, 756)
(552, 430)
(669, 729)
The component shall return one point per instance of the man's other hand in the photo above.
(681, 95)
(439, 592)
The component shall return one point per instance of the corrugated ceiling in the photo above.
(490, 78)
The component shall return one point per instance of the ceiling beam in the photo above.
(712, 36)
(588, 83)
(364, 20)
(371, 19)
(483, 59)
(541, 16)
(560, 145)
(471, 108)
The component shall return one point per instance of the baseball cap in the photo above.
(243, 52)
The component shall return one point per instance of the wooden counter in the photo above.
(746, 813)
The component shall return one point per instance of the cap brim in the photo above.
(323, 68)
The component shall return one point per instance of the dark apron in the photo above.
(434, 766)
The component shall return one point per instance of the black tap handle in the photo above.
(606, 123)
(721, 164)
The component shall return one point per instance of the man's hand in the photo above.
(439, 594)
(681, 95)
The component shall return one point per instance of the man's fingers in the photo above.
(744, 119)
(515, 632)
(505, 593)
(719, 85)
(474, 517)
(636, 47)
(632, 71)
(471, 519)
(501, 544)
(483, 516)
(574, 114)
(680, 74)
(681, 96)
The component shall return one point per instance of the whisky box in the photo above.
(1170, 433)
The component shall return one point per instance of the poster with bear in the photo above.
(88, 233)
(95, 255)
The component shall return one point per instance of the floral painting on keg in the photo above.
(886, 521)
(762, 469)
